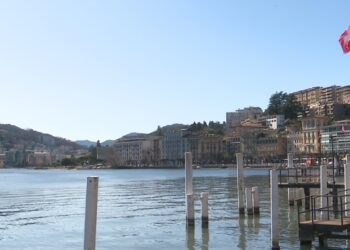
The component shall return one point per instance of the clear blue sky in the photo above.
(101, 69)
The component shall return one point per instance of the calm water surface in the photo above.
(137, 209)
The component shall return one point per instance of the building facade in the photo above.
(235, 118)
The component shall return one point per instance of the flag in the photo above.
(342, 129)
(344, 40)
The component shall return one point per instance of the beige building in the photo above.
(311, 139)
(343, 94)
(235, 118)
(270, 145)
(308, 97)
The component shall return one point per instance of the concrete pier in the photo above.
(204, 201)
(256, 205)
(188, 189)
(240, 182)
(274, 198)
(291, 191)
(91, 213)
(249, 201)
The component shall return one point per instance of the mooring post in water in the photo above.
(256, 206)
(274, 199)
(291, 179)
(204, 201)
(307, 197)
(91, 213)
(347, 185)
(188, 189)
(323, 191)
(248, 201)
(188, 177)
(240, 182)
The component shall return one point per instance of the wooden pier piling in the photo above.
(91, 213)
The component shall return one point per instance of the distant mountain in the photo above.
(15, 137)
(107, 143)
(87, 143)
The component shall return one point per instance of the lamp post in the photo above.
(334, 190)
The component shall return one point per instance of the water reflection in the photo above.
(242, 237)
(190, 237)
(190, 240)
(205, 237)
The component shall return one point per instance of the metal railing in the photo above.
(328, 212)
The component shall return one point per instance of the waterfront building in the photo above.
(311, 127)
(271, 145)
(2, 160)
(336, 136)
(133, 149)
(205, 147)
(235, 118)
(173, 144)
(38, 158)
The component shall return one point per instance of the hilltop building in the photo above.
(235, 118)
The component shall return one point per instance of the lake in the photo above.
(137, 209)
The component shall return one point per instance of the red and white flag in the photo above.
(342, 129)
(344, 40)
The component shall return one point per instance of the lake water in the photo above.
(137, 209)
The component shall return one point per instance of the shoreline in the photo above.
(93, 167)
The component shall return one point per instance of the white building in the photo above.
(275, 121)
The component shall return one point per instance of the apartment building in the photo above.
(343, 94)
(235, 118)
(308, 97)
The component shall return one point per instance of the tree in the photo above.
(277, 102)
(292, 107)
(283, 104)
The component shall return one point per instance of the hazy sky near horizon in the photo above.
(102, 69)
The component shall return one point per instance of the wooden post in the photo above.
(323, 190)
(240, 182)
(347, 185)
(274, 198)
(248, 201)
(91, 213)
(204, 201)
(291, 179)
(188, 189)
(256, 206)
